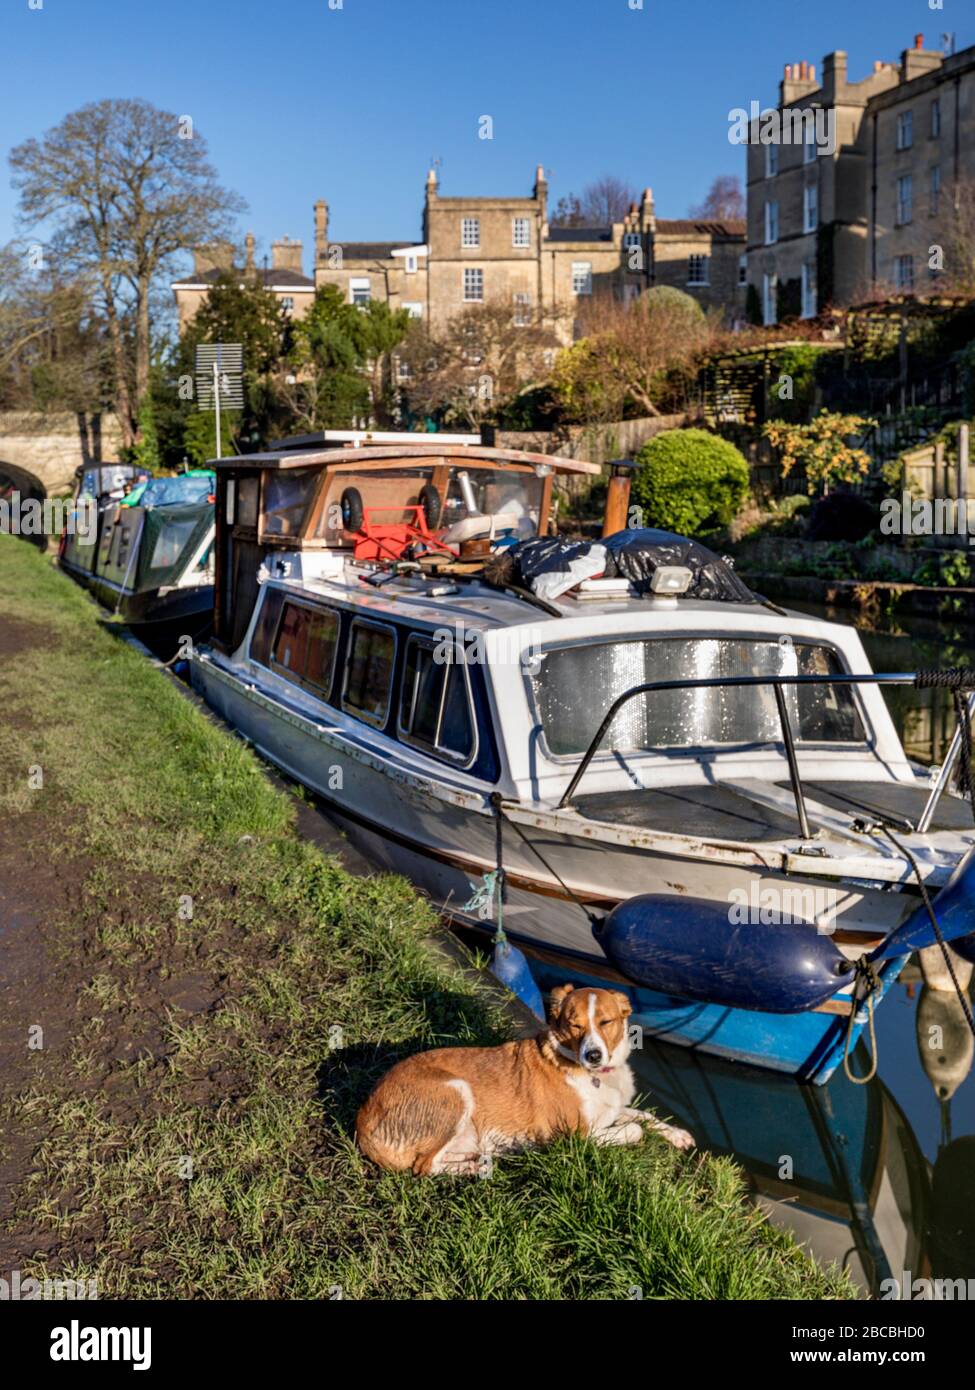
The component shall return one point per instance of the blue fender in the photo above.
(954, 907)
(690, 948)
(511, 968)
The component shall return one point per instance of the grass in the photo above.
(215, 1159)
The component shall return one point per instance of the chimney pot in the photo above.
(812, 72)
(918, 40)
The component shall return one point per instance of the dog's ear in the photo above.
(625, 1006)
(557, 998)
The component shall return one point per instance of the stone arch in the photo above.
(13, 478)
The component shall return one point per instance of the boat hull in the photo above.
(445, 849)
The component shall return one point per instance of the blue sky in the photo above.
(299, 100)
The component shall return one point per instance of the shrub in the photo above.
(690, 481)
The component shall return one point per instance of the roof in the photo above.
(580, 234)
(689, 226)
(405, 453)
(372, 250)
(273, 278)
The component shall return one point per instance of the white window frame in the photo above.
(522, 301)
(905, 130)
(582, 278)
(473, 281)
(771, 160)
(410, 262)
(288, 303)
(470, 232)
(810, 306)
(904, 209)
(359, 282)
(632, 239)
(743, 269)
(810, 207)
(521, 233)
(414, 308)
(770, 291)
(702, 264)
(771, 222)
(902, 263)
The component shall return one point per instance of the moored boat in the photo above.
(686, 789)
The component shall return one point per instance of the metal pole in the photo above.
(944, 774)
(790, 753)
(216, 404)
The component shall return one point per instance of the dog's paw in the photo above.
(680, 1138)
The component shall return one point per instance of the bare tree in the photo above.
(478, 363)
(957, 241)
(125, 187)
(606, 200)
(725, 201)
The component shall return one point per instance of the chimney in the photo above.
(249, 251)
(321, 231)
(286, 254)
(218, 255)
(834, 76)
(540, 192)
(648, 220)
(915, 61)
(431, 184)
(919, 42)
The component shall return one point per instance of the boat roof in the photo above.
(407, 455)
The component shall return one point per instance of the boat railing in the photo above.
(954, 680)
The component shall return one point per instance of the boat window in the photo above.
(304, 647)
(435, 708)
(574, 687)
(514, 499)
(246, 502)
(171, 540)
(369, 670)
(287, 496)
(266, 626)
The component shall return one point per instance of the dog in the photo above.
(451, 1110)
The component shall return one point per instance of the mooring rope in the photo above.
(499, 811)
(866, 976)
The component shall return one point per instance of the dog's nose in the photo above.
(592, 1055)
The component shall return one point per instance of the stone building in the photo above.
(850, 183)
(284, 276)
(476, 250)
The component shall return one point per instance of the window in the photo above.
(305, 646)
(770, 290)
(523, 303)
(435, 706)
(809, 146)
(905, 200)
(697, 270)
(473, 285)
(414, 309)
(743, 270)
(359, 291)
(521, 231)
(771, 161)
(470, 231)
(574, 686)
(632, 239)
(287, 494)
(246, 501)
(582, 277)
(369, 670)
(935, 189)
(771, 223)
(905, 130)
(810, 208)
(809, 306)
(410, 263)
(904, 272)
(288, 303)
(936, 119)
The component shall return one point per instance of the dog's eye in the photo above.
(605, 1022)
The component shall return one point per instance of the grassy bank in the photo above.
(217, 998)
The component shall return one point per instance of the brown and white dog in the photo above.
(449, 1110)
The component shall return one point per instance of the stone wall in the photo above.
(51, 447)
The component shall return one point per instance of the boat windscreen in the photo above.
(170, 537)
(575, 686)
(165, 492)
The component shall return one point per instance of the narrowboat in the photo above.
(149, 562)
(653, 775)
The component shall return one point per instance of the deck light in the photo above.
(671, 579)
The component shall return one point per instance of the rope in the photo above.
(935, 924)
(499, 937)
(952, 678)
(495, 800)
(870, 980)
(963, 718)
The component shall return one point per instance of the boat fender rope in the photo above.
(866, 983)
(496, 799)
(499, 937)
(935, 925)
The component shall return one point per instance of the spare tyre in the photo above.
(352, 510)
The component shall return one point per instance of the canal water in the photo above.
(880, 1177)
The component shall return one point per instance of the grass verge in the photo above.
(229, 995)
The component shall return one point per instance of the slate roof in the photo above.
(371, 250)
(730, 227)
(284, 279)
(580, 234)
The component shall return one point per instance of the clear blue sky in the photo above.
(299, 101)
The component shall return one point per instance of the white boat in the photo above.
(751, 775)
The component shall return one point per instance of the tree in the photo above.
(124, 187)
(240, 309)
(627, 350)
(478, 364)
(725, 201)
(606, 200)
(690, 481)
(377, 332)
(323, 387)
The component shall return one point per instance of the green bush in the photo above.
(690, 481)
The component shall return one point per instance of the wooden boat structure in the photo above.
(660, 781)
